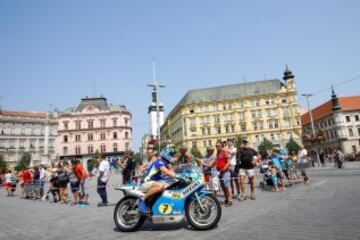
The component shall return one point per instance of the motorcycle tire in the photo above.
(122, 227)
(193, 222)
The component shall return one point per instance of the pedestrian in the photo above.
(54, 187)
(246, 158)
(27, 182)
(104, 175)
(322, 158)
(74, 183)
(9, 183)
(63, 180)
(303, 161)
(234, 175)
(276, 159)
(222, 164)
(42, 179)
(36, 183)
(210, 170)
(128, 166)
(184, 156)
(82, 175)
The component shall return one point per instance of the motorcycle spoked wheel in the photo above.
(204, 219)
(123, 220)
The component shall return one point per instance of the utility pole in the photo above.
(156, 87)
(307, 95)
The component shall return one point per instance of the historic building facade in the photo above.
(94, 125)
(336, 123)
(28, 132)
(255, 110)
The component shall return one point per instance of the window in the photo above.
(359, 131)
(23, 131)
(218, 130)
(205, 143)
(191, 110)
(209, 131)
(257, 138)
(351, 133)
(242, 116)
(241, 105)
(22, 143)
(227, 130)
(289, 135)
(243, 127)
(287, 122)
(78, 138)
(194, 145)
(90, 124)
(192, 121)
(209, 142)
(2, 144)
(272, 137)
(347, 118)
(284, 100)
(255, 103)
(357, 118)
(90, 149)
(286, 112)
(78, 125)
(51, 143)
(65, 138)
(114, 135)
(354, 150)
(256, 114)
(90, 137)
(65, 150)
(66, 125)
(115, 147)
(217, 118)
(102, 123)
(203, 131)
(103, 148)
(126, 146)
(77, 150)
(126, 120)
(232, 128)
(126, 135)
(102, 136)
(277, 136)
(114, 122)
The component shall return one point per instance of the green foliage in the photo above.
(238, 141)
(24, 161)
(137, 158)
(196, 153)
(264, 148)
(292, 146)
(3, 164)
(93, 162)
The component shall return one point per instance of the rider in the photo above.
(153, 181)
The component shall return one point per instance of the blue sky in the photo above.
(51, 52)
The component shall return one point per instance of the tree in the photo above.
(238, 141)
(3, 164)
(24, 161)
(196, 153)
(292, 146)
(264, 148)
(93, 162)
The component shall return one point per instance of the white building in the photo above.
(31, 132)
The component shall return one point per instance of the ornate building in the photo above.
(336, 122)
(94, 125)
(31, 132)
(255, 110)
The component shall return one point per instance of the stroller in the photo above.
(267, 179)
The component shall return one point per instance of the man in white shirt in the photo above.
(234, 175)
(302, 161)
(104, 175)
(42, 179)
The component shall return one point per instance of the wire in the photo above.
(337, 84)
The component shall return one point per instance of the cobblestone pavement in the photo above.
(327, 208)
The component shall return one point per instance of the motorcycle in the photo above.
(185, 197)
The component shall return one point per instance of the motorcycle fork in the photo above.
(200, 203)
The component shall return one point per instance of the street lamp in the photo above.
(307, 95)
(156, 86)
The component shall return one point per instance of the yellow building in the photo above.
(256, 110)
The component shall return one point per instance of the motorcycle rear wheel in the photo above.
(127, 222)
(200, 218)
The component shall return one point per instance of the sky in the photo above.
(53, 53)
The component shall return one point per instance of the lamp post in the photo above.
(156, 86)
(307, 95)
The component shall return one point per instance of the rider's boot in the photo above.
(142, 206)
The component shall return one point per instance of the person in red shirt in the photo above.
(82, 175)
(222, 164)
(27, 180)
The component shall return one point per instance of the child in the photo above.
(273, 171)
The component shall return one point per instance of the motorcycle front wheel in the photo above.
(126, 215)
(203, 218)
